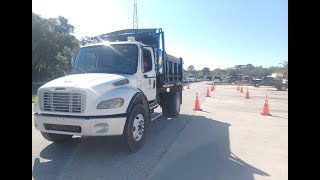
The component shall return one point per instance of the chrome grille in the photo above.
(73, 102)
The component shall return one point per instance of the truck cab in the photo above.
(113, 89)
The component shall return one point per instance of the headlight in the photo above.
(111, 103)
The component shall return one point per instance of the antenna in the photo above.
(135, 14)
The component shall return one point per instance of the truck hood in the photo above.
(87, 80)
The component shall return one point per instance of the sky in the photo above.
(205, 33)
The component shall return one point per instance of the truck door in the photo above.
(148, 80)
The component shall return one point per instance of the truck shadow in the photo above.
(171, 151)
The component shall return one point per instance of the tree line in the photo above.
(53, 43)
(249, 69)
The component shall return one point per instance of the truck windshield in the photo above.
(118, 59)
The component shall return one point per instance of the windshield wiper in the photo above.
(78, 68)
(114, 69)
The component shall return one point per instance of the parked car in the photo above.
(280, 84)
(217, 79)
(247, 79)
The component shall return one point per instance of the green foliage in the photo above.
(285, 67)
(52, 47)
(220, 72)
(191, 68)
(205, 71)
(249, 69)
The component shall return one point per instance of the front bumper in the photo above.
(81, 126)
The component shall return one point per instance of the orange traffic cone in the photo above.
(197, 104)
(238, 88)
(265, 110)
(208, 93)
(241, 90)
(247, 94)
(211, 88)
(188, 86)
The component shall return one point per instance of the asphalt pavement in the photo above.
(229, 139)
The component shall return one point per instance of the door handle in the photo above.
(146, 76)
(154, 84)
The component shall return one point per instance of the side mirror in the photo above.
(145, 76)
(158, 54)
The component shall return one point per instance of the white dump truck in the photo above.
(113, 89)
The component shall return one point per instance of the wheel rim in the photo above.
(138, 127)
(283, 88)
(178, 104)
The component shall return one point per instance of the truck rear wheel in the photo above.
(135, 129)
(55, 137)
(171, 105)
(165, 106)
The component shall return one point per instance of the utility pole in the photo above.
(135, 14)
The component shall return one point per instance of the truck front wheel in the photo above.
(55, 137)
(135, 129)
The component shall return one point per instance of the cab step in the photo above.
(155, 115)
(153, 104)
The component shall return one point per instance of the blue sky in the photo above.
(205, 33)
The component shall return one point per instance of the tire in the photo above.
(283, 88)
(256, 85)
(55, 137)
(165, 106)
(135, 129)
(176, 102)
(171, 105)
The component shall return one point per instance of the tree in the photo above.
(85, 40)
(248, 70)
(65, 27)
(285, 65)
(205, 71)
(52, 46)
(220, 72)
(191, 68)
